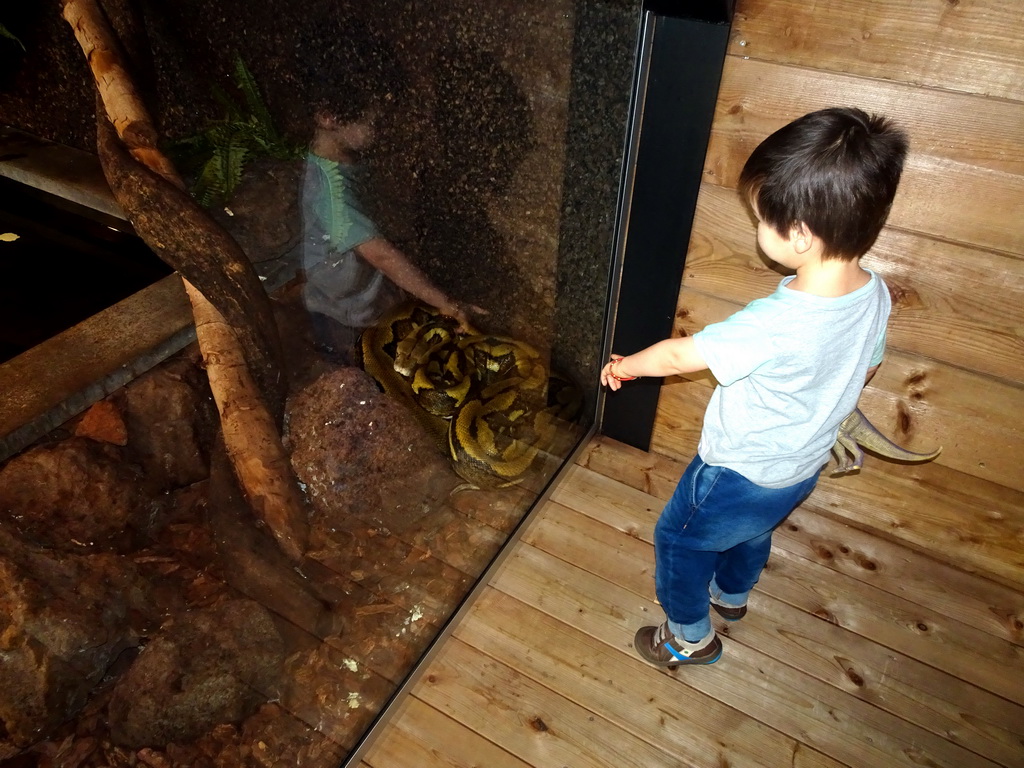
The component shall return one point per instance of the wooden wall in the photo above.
(952, 73)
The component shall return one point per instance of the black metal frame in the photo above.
(679, 66)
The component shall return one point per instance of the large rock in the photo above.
(71, 495)
(63, 622)
(210, 666)
(170, 417)
(359, 451)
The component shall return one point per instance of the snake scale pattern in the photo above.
(490, 402)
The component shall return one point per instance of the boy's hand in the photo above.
(612, 374)
(462, 313)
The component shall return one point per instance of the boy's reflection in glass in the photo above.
(353, 273)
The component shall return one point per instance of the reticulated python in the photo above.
(490, 402)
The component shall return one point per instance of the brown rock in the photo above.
(103, 423)
(208, 667)
(352, 446)
(169, 414)
(63, 622)
(70, 495)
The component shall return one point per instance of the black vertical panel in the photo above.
(684, 67)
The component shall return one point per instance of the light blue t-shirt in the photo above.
(790, 368)
(339, 283)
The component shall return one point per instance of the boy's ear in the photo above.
(800, 237)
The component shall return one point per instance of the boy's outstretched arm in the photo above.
(666, 358)
(382, 255)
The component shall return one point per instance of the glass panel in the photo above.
(428, 192)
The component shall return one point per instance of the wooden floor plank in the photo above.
(845, 727)
(968, 597)
(423, 737)
(979, 602)
(994, 664)
(689, 727)
(537, 723)
(929, 697)
(895, 621)
(861, 648)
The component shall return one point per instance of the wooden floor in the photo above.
(857, 651)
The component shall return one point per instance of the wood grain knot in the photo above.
(916, 378)
(538, 725)
(903, 423)
(867, 564)
(902, 297)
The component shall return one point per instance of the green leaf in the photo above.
(235, 160)
(4, 32)
(253, 99)
(222, 150)
(232, 111)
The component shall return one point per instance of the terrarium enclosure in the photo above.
(152, 613)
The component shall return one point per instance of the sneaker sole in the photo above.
(676, 664)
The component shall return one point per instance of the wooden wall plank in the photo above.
(961, 305)
(965, 177)
(952, 74)
(987, 207)
(758, 97)
(969, 46)
(917, 401)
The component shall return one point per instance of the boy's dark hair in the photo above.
(836, 170)
(355, 71)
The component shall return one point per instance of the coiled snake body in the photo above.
(489, 402)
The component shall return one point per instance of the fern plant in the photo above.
(4, 32)
(217, 156)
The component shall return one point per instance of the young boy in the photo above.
(353, 273)
(790, 368)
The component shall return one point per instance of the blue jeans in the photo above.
(715, 532)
